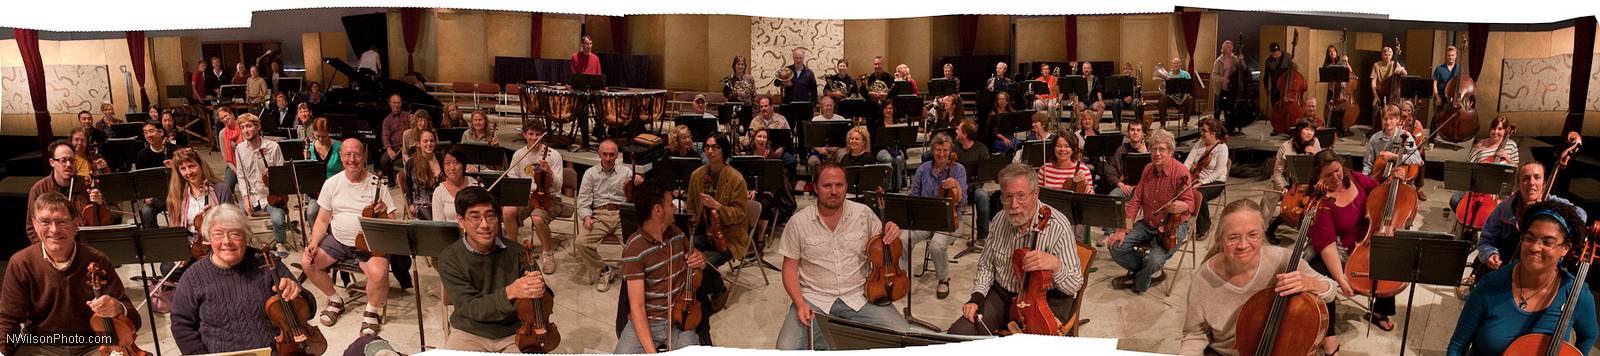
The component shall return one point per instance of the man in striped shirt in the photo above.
(654, 263)
(1162, 180)
(1051, 249)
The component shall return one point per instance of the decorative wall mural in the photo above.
(69, 88)
(1542, 84)
(772, 41)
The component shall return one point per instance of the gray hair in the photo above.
(1159, 136)
(223, 215)
(939, 139)
(1019, 170)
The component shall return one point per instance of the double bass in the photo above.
(296, 336)
(1388, 90)
(1245, 110)
(1458, 101)
(537, 334)
(886, 282)
(1292, 87)
(1030, 310)
(1343, 102)
(123, 335)
(1552, 345)
(1260, 328)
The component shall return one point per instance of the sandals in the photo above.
(371, 323)
(943, 290)
(1382, 321)
(1335, 351)
(330, 314)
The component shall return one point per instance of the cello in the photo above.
(1474, 208)
(1549, 344)
(1292, 86)
(1260, 331)
(296, 336)
(1245, 110)
(123, 335)
(1398, 204)
(536, 334)
(1030, 310)
(1458, 101)
(886, 282)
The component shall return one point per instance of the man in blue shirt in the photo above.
(933, 179)
(1443, 74)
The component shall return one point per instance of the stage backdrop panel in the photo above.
(70, 89)
(1542, 84)
(772, 41)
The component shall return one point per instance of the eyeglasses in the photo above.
(55, 223)
(1237, 239)
(235, 235)
(1007, 198)
(1548, 242)
(482, 218)
(63, 160)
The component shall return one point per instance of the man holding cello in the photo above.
(46, 282)
(825, 264)
(999, 280)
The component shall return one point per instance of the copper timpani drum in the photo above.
(556, 106)
(651, 105)
(616, 108)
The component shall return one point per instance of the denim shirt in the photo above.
(1502, 228)
(927, 182)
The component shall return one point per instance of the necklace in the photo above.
(1522, 297)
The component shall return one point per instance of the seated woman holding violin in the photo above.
(1529, 297)
(192, 189)
(1237, 268)
(1066, 169)
(1339, 226)
(219, 306)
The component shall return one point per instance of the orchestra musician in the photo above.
(803, 88)
(680, 143)
(215, 77)
(739, 87)
(302, 122)
(1337, 228)
(996, 283)
(1002, 103)
(1066, 165)
(1163, 180)
(525, 162)
(857, 149)
(190, 190)
(229, 137)
(878, 75)
(478, 130)
(454, 180)
(240, 75)
(322, 148)
(1213, 177)
(482, 273)
(86, 122)
(1381, 70)
(333, 237)
(411, 138)
(218, 308)
(254, 155)
(198, 83)
(1380, 143)
(1047, 100)
(255, 88)
(762, 146)
(841, 79)
(894, 156)
(585, 61)
(1528, 297)
(279, 115)
(1277, 64)
(394, 127)
(1114, 171)
(947, 111)
(169, 127)
(999, 82)
(933, 179)
(1497, 148)
(1302, 142)
(728, 201)
(421, 176)
(825, 264)
(1442, 75)
(1502, 229)
(452, 116)
(108, 116)
(1094, 105)
(902, 72)
(84, 148)
(776, 204)
(819, 154)
(1332, 58)
(155, 154)
(46, 284)
(766, 117)
(1039, 131)
(950, 74)
(968, 152)
(62, 180)
(655, 262)
(600, 199)
(1235, 269)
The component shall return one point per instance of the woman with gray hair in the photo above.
(218, 307)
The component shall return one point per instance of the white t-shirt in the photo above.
(444, 204)
(345, 200)
(524, 167)
(252, 167)
(369, 60)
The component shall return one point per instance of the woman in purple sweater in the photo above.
(218, 306)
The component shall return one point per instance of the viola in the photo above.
(537, 333)
(376, 210)
(1167, 233)
(1474, 208)
(1547, 344)
(123, 334)
(276, 200)
(1030, 309)
(954, 195)
(687, 313)
(1073, 185)
(1293, 87)
(1297, 200)
(887, 282)
(95, 213)
(714, 218)
(1260, 329)
(296, 336)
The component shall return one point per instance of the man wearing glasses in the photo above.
(61, 181)
(484, 274)
(1053, 250)
(46, 284)
(718, 189)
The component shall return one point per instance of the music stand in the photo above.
(451, 134)
(129, 129)
(1334, 74)
(120, 152)
(867, 178)
(1326, 137)
(482, 154)
(136, 118)
(796, 112)
(509, 191)
(1038, 87)
(918, 213)
(700, 127)
(735, 111)
(901, 87)
(1400, 259)
(1034, 152)
(1415, 87)
(938, 87)
(1102, 145)
(907, 105)
(846, 334)
(754, 168)
(895, 136)
(286, 84)
(417, 238)
(1118, 86)
(676, 168)
(293, 149)
(310, 175)
(1486, 178)
(780, 138)
(134, 185)
(1074, 84)
(1133, 167)
(1007, 124)
(1088, 209)
(1300, 168)
(125, 243)
(824, 133)
(232, 92)
(858, 107)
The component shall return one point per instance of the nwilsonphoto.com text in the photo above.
(57, 339)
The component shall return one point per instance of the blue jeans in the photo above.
(279, 217)
(983, 211)
(897, 166)
(792, 336)
(938, 250)
(1115, 192)
(311, 210)
(1143, 265)
(148, 212)
(628, 342)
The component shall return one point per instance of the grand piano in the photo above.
(359, 110)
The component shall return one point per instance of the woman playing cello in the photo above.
(1339, 226)
(1527, 297)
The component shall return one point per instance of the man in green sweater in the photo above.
(485, 274)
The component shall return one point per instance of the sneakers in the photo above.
(603, 284)
(547, 262)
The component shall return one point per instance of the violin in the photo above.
(1293, 87)
(540, 197)
(1548, 344)
(120, 330)
(714, 218)
(296, 336)
(1167, 233)
(686, 311)
(94, 213)
(537, 333)
(1260, 328)
(887, 282)
(376, 210)
(954, 194)
(1474, 208)
(1030, 310)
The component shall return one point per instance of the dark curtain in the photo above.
(969, 34)
(1582, 57)
(1072, 37)
(410, 27)
(1191, 35)
(619, 34)
(28, 44)
(536, 37)
(1477, 41)
(136, 53)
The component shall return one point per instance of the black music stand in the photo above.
(901, 87)
(824, 133)
(302, 178)
(120, 152)
(780, 138)
(846, 334)
(1334, 74)
(736, 113)
(286, 84)
(676, 168)
(129, 129)
(1400, 259)
(134, 185)
(867, 178)
(1133, 167)
(1037, 152)
(938, 87)
(1416, 87)
(1074, 84)
(796, 112)
(1177, 90)
(918, 213)
(1300, 168)
(1038, 87)
(895, 136)
(136, 118)
(1006, 124)
(755, 168)
(986, 170)
(1487, 178)
(509, 191)
(1118, 86)
(124, 244)
(1326, 137)
(1102, 145)
(417, 238)
(1088, 209)
(907, 105)
(587, 85)
(450, 134)
(482, 154)
(231, 92)
(292, 149)
(858, 107)
(700, 127)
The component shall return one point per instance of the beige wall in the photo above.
(1525, 45)
(994, 35)
(172, 58)
(863, 40)
(1141, 39)
(319, 45)
(112, 53)
(726, 36)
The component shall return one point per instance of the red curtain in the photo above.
(1072, 37)
(536, 36)
(410, 27)
(619, 34)
(969, 33)
(1191, 35)
(136, 53)
(1582, 57)
(1477, 40)
(28, 44)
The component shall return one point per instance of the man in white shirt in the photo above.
(524, 164)
(370, 60)
(819, 154)
(334, 236)
(600, 197)
(825, 264)
(252, 156)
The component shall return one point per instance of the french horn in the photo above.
(785, 75)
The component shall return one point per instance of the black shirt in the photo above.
(805, 86)
(149, 158)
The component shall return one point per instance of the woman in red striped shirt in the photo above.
(1067, 166)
